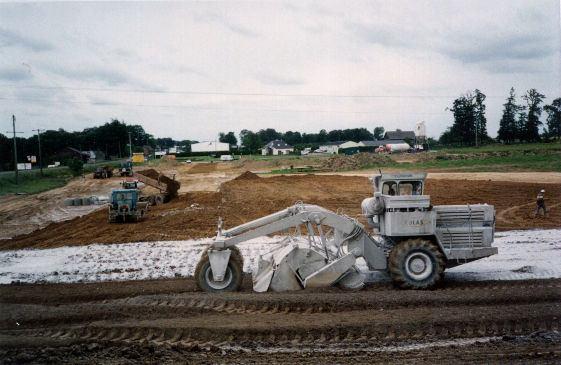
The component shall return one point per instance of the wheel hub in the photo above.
(418, 265)
(218, 285)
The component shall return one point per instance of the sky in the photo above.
(189, 70)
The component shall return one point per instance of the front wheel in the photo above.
(232, 277)
(416, 264)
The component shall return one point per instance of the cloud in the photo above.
(491, 49)
(508, 47)
(107, 76)
(228, 24)
(12, 39)
(384, 35)
(279, 80)
(14, 74)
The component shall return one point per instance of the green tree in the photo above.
(521, 122)
(251, 142)
(229, 138)
(554, 118)
(508, 130)
(480, 119)
(268, 135)
(76, 166)
(463, 129)
(322, 136)
(532, 128)
(379, 133)
(292, 138)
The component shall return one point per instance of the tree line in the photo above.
(252, 142)
(520, 122)
(111, 138)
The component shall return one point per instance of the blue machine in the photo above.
(125, 205)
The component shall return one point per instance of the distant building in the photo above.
(175, 150)
(277, 147)
(372, 144)
(399, 134)
(70, 153)
(334, 147)
(94, 156)
(387, 144)
(210, 147)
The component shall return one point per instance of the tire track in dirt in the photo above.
(287, 326)
(278, 304)
(188, 337)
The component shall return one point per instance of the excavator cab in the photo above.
(400, 184)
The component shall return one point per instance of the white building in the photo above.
(277, 147)
(334, 147)
(211, 146)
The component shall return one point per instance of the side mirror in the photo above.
(377, 194)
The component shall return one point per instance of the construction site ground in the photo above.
(209, 191)
(169, 321)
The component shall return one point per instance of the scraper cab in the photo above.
(409, 239)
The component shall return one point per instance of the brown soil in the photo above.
(355, 162)
(195, 214)
(201, 168)
(165, 321)
(172, 185)
(21, 214)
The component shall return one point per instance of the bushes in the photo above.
(76, 166)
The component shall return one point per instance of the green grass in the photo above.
(506, 163)
(498, 147)
(31, 181)
(510, 163)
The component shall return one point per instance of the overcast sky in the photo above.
(191, 70)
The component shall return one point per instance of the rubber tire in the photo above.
(236, 267)
(398, 257)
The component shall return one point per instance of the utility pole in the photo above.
(40, 155)
(130, 146)
(15, 147)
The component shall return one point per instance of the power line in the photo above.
(224, 93)
(208, 108)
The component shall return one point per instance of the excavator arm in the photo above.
(325, 263)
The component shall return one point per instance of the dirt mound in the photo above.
(172, 185)
(248, 175)
(355, 162)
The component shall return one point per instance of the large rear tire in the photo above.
(416, 264)
(232, 278)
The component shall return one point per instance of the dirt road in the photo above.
(166, 321)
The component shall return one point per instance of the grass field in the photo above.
(515, 162)
(498, 147)
(31, 181)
